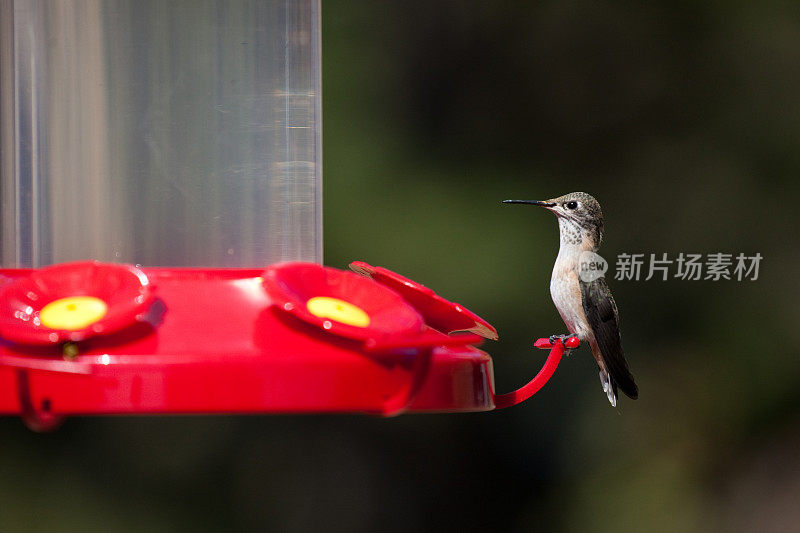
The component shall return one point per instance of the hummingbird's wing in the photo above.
(603, 317)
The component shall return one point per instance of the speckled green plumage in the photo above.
(590, 217)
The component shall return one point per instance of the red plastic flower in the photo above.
(72, 301)
(341, 302)
(439, 313)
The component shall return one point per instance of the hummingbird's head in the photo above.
(580, 218)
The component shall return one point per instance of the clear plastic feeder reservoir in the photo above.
(160, 132)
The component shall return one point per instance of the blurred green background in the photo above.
(683, 119)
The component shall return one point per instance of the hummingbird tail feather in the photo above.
(609, 387)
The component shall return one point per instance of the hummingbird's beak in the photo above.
(530, 202)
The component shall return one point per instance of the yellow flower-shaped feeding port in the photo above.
(73, 313)
(338, 310)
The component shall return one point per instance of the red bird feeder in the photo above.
(195, 149)
(91, 338)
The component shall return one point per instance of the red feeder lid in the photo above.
(72, 302)
(439, 313)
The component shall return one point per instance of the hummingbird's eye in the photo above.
(571, 205)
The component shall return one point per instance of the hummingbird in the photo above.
(585, 302)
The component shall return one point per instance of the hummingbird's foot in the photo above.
(564, 338)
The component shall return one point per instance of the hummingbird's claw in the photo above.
(564, 338)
